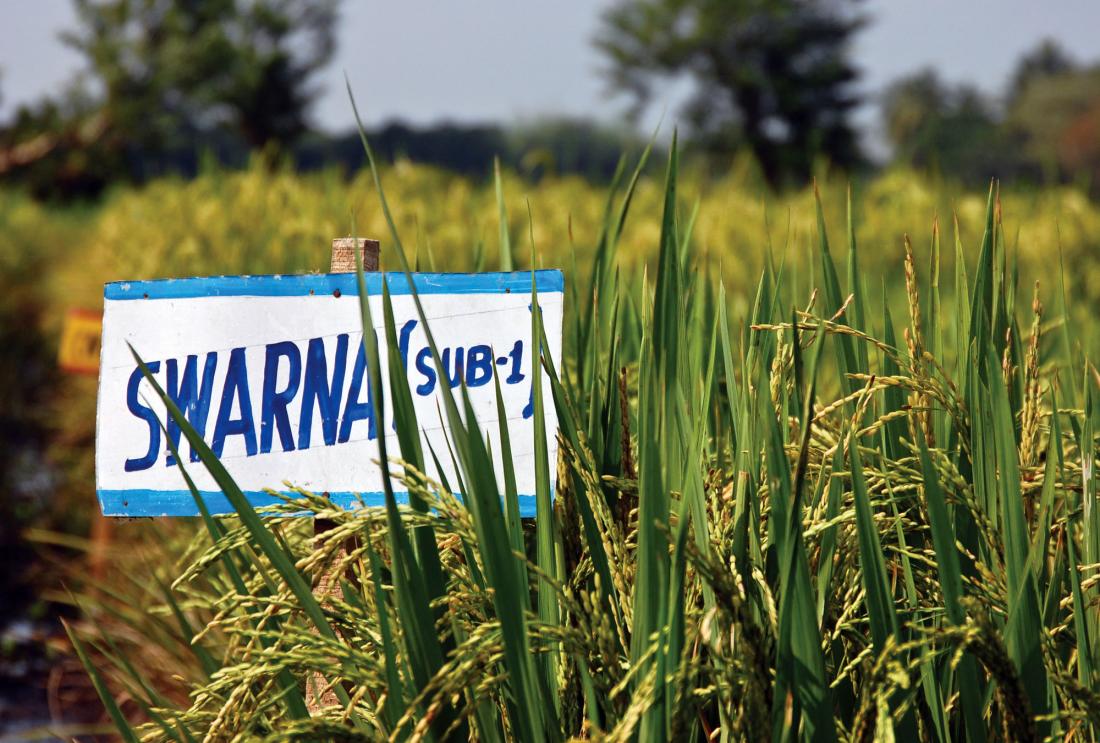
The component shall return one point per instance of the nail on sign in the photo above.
(271, 370)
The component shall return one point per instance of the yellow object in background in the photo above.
(80, 340)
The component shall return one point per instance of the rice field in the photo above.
(825, 474)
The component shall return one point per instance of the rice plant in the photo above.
(811, 523)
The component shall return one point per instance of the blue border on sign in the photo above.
(296, 285)
(146, 503)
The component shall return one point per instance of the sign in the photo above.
(80, 338)
(272, 372)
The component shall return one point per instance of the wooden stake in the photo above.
(343, 254)
(342, 260)
(101, 545)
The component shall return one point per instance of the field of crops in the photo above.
(263, 221)
(816, 481)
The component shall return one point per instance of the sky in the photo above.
(505, 61)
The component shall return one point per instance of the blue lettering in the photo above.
(403, 342)
(273, 413)
(318, 389)
(529, 408)
(354, 409)
(403, 349)
(424, 366)
(479, 366)
(517, 355)
(191, 397)
(236, 389)
(455, 375)
(146, 414)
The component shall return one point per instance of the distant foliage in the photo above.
(170, 67)
(546, 147)
(1045, 128)
(773, 77)
(165, 79)
(948, 129)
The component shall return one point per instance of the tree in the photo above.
(165, 81)
(1046, 128)
(771, 75)
(953, 129)
(1048, 59)
(1055, 123)
(173, 67)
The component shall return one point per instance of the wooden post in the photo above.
(343, 254)
(342, 260)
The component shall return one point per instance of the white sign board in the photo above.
(271, 371)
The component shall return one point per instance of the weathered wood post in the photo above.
(342, 260)
(343, 254)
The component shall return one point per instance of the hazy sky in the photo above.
(480, 60)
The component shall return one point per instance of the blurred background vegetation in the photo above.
(171, 85)
(187, 147)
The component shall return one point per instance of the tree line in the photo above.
(168, 83)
